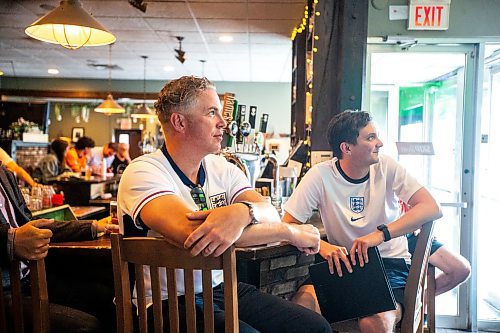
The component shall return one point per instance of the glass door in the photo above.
(419, 96)
(488, 270)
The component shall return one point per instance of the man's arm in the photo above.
(167, 215)
(333, 254)
(21, 173)
(424, 209)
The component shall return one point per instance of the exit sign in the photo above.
(429, 14)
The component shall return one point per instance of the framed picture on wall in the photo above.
(77, 133)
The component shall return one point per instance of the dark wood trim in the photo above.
(76, 94)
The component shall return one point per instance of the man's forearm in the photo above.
(264, 233)
(414, 219)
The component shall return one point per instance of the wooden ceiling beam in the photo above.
(76, 94)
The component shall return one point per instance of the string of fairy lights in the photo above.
(307, 26)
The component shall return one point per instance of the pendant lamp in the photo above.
(143, 112)
(109, 106)
(70, 26)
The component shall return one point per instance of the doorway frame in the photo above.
(472, 93)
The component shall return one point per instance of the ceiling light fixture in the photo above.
(53, 71)
(70, 26)
(180, 53)
(109, 106)
(226, 38)
(143, 112)
(203, 61)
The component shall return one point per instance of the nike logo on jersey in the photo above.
(354, 219)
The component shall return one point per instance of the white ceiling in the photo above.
(260, 51)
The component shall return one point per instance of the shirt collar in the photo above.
(185, 180)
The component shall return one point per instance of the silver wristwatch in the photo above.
(251, 212)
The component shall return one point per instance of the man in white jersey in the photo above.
(357, 194)
(199, 201)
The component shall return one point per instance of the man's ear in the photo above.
(345, 148)
(178, 122)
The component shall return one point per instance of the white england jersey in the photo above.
(350, 209)
(151, 176)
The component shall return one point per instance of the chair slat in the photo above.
(431, 299)
(39, 296)
(141, 298)
(17, 306)
(3, 316)
(124, 321)
(190, 301)
(157, 306)
(173, 303)
(230, 292)
(208, 304)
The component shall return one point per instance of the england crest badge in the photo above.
(357, 204)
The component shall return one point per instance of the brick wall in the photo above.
(276, 270)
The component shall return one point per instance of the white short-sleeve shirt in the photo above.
(353, 209)
(151, 176)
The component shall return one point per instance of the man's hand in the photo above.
(221, 228)
(105, 225)
(334, 254)
(361, 245)
(305, 237)
(32, 243)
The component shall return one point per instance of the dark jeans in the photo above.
(257, 311)
(63, 319)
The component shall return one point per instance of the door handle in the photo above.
(454, 204)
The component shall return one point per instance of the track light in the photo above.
(180, 53)
(139, 4)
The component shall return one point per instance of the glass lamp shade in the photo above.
(70, 26)
(143, 112)
(109, 106)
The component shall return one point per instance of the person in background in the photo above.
(76, 157)
(22, 238)
(98, 154)
(9, 163)
(53, 164)
(357, 194)
(210, 206)
(122, 159)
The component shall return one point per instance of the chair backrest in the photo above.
(156, 253)
(39, 297)
(413, 318)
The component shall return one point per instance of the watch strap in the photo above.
(251, 212)
(385, 231)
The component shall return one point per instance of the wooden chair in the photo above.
(156, 253)
(39, 297)
(415, 296)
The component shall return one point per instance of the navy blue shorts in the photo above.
(412, 243)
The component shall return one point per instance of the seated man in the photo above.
(29, 240)
(76, 157)
(122, 159)
(200, 201)
(98, 154)
(357, 195)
